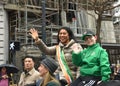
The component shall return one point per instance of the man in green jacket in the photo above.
(93, 62)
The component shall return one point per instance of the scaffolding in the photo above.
(22, 20)
(26, 14)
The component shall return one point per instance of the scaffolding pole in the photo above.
(43, 24)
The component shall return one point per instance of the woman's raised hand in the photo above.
(34, 33)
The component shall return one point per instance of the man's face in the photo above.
(28, 64)
(90, 40)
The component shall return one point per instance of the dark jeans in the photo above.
(86, 81)
(110, 83)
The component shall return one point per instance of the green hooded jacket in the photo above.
(93, 61)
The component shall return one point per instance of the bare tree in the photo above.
(99, 7)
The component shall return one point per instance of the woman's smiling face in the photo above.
(63, 36)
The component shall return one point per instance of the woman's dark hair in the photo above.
(70, 33)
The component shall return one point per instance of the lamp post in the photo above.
(43, 24)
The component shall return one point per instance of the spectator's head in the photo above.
(28, 63)
(47, 65)
(3, 70)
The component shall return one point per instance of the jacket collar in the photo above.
(31, 71)
(68, 45)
